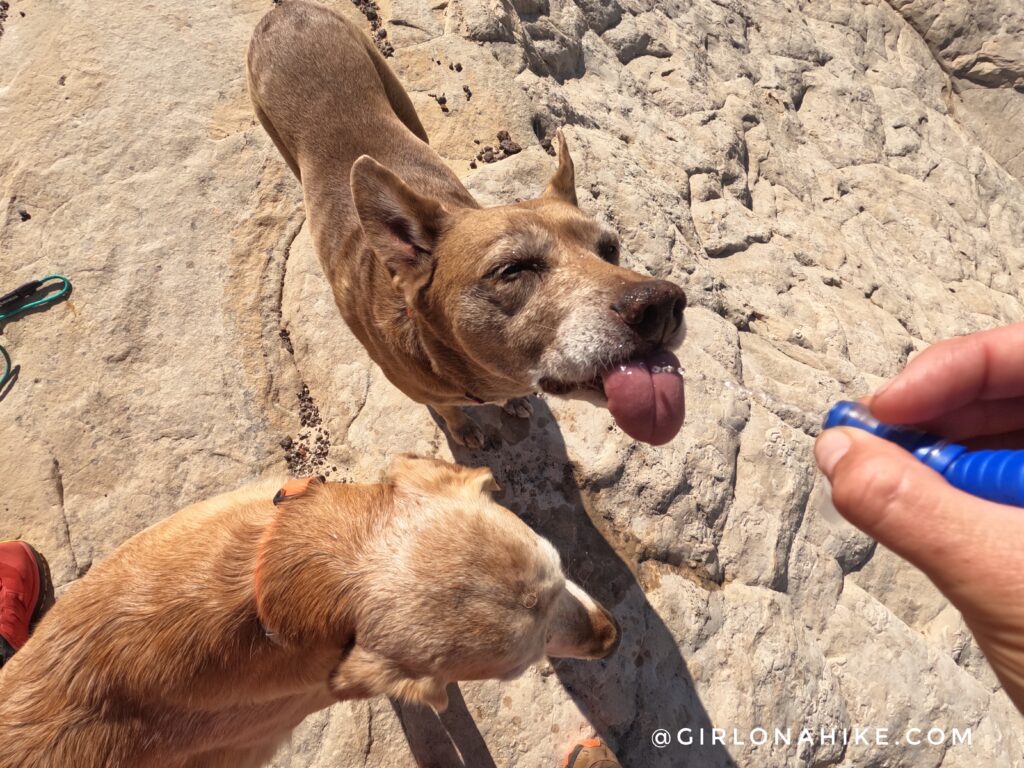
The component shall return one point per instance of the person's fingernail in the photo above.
(829, 448)
(885, 386)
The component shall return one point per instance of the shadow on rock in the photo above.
(451, 740)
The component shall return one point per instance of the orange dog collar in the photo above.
(290, 490)
(294, 487)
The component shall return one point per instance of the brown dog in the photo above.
(205, 639)
(458, 304)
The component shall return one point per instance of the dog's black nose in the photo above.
(653, 308)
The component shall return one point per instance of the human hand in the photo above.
(968, 389)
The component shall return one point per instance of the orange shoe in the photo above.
(591, 753)
(25, 593)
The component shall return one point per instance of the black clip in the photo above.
(21, 292)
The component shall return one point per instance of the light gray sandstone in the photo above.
(981, 47)
(836, 183)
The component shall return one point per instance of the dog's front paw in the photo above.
(520, 407)
(468, 434)
(461, 427)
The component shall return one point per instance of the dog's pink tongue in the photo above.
(645, 396)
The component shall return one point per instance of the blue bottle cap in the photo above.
(994, 475)
(931, 450)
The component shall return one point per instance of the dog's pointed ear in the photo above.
(363, 673)
(437, 477)
(408, 469)
(563, 184)
(402, 226)
(481, 480)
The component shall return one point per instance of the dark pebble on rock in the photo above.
(286, 339)
(506, 144)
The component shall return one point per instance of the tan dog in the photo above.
(205, 639)
(459, 305)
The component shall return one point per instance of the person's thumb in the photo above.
(887, 493)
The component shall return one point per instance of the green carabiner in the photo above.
(11, 304)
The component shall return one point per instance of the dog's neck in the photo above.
(391, 323)
(450, 365)
(306, 570)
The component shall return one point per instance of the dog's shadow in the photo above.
(444, 741)
(533, 469)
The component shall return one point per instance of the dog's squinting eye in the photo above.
(608, 250)
(516, 269)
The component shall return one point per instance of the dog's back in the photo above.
(107, 680)
(326, 96)
(307, 60)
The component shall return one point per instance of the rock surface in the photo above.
(830, 180)
(981, 47)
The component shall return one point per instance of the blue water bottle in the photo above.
(994, 475)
